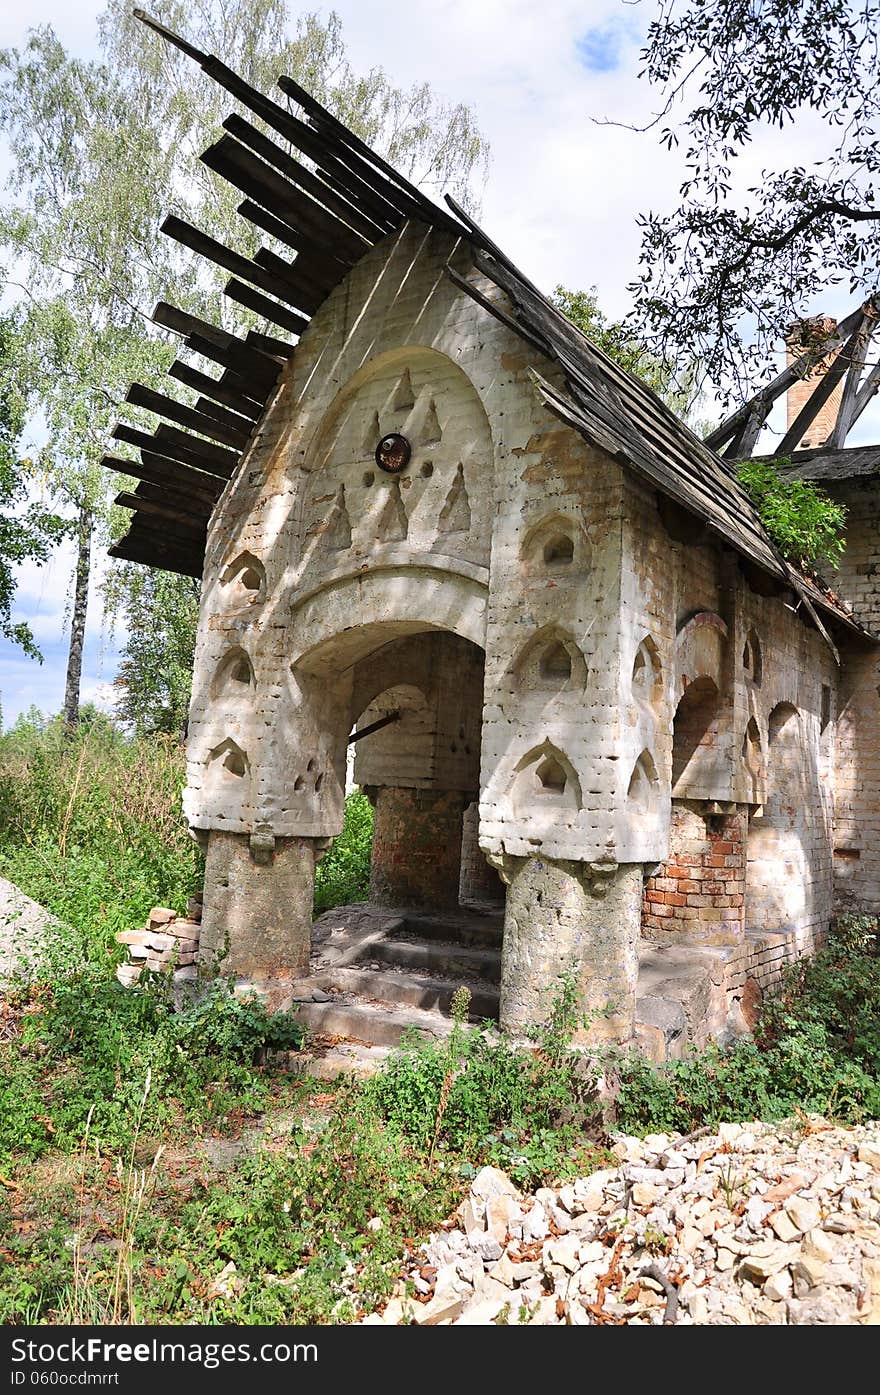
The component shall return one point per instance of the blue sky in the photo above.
(562, 197)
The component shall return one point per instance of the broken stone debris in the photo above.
(750, 1225)
(168, 943)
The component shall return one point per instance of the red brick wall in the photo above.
(699, 891)
(416, 847)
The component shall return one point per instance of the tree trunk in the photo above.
(85, 523)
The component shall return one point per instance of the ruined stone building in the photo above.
(590, 701)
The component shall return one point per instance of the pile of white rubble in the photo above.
(752, 1224)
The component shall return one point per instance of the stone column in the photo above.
(416, 847)
(566, 915)
(479, 880)
(257, 912)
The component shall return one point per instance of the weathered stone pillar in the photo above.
(416, 847)
(562, 915)
(479, 880)
(257, 912)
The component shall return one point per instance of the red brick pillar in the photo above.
(479, 881)
(699, 891)
(416, 847)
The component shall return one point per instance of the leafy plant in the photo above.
(805, 524)
(343, 874)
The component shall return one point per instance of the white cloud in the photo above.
(562, 197)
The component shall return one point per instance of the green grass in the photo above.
(113, 1105)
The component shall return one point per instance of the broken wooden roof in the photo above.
(824, 463)
(330, 213)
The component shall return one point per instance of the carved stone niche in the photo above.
(234, 676)
(647, 677)
(643, 794)
(243, 582)
(545, 787)
(550, 662)
(556, 547)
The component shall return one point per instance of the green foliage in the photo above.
(159, 613)
(805, 524)
(343, 874)
(86, 1045)
(737, 259)
(27, 531)
(816, 1048)
(533, 1112)
(91, 827)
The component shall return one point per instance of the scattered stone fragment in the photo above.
(752, 1225)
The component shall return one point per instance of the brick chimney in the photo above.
(800, 337)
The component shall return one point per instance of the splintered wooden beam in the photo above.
(303, 178)
(268, 344)
(181, 498)
(149, 552)
(278, 278)
(181, 322)
(172, 511)
(160, 472)
(822, 391)
(243, 359)
(169, 450)
(238, 165)
(324, 265)
(277, 314)
(800, 368)
(165, 406)
(215, 456)
(346, 140)
(220, 392)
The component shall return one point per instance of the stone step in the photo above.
(375, 1024)
(343, 1058)
(437, 956)
(411, 990)
(483, 931)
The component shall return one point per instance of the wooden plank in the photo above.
(170, 317)
(168, 450)
(225, 461)
(165, 406)
(326, 267)
(162, 473)
(183, 561)
(254, 177)
(180, 533)
(275, 281)
(303, 178)
(207, 408)
(261, 305)
(185, 500)
(244, 359)
(210, 387)
(519, 330)
(358, 180)
(310, 290)
(172, 511)
(280, 348)
(325, 122)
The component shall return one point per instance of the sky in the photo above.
(562, 196)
